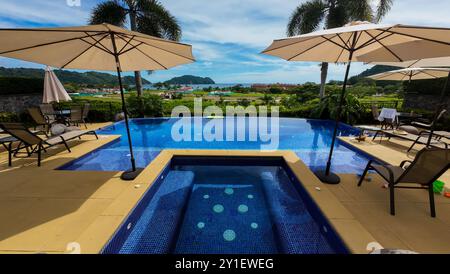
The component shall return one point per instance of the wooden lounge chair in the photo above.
(33, 143)
(427, 167)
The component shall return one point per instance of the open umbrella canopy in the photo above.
(420, 63)
(411, 74)
(96, 47)
(333, 45)
(363, 42)
(54, 91)
(91, 47)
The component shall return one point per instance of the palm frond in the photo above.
(154, 19)
(358, 10)
(338, 14)
(383, 8)
(306, 17)
(110, 12)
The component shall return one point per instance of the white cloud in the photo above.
(227, 35)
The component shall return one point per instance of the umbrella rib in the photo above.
(372, 41)
(342, 51)
(84, 51)
(436, 77)
(126, 44)
(418, 37)
(45, 44)
(290, 44)
(120, 36)
(345, 43)
(138, 49)
(308, 49)
(104, 48)
(388, 49)
(132, 48)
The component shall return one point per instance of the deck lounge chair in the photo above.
(77, 116)
(33, 143)
(427, 167)
(49, 112)
(40, 119)
(422, 138)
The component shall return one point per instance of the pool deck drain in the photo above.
(42, 210)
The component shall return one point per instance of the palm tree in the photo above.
(309, 16)
(146, 16)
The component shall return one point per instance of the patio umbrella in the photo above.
(413, 73)
(347, 44)
(54, 91)
(429, 62)
(97, 47)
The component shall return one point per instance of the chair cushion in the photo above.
(384, 171)
(410, 129)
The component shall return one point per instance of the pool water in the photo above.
(223, 209)
(309, 139)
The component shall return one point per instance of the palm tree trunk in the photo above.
(323, 79)
(137, 74)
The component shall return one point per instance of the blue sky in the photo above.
(227, 35)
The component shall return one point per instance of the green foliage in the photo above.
(8, 117)
(267, 99)
(148, 105)
(16, 85)
(350, 112)
(434, 86)
(244, 102)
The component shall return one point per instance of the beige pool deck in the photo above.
(43, 210)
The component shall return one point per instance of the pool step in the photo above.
(297, 231)
(156, 228)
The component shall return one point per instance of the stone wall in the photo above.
(19, 103)
(428, 102)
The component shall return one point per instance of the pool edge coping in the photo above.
(353, 234)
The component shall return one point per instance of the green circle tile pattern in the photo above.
(218, 208)
(250, 196)
(201, 225)
(254, 225)
(229, 235)
(229, 191)
(206, 196)
(243, 209)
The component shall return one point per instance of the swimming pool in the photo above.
(309, 139)
(226, 206)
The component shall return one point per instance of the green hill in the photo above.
(70, 77)
(190, 80)
(372, 71)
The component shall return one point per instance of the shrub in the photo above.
(18, 85)
(148, 105)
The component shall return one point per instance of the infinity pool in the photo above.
(309, 139)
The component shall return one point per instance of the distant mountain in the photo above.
(372, 71)
(190, 80)
(66, 77)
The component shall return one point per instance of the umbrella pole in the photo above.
(134, 172)
(327, 176)
(439, 109)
